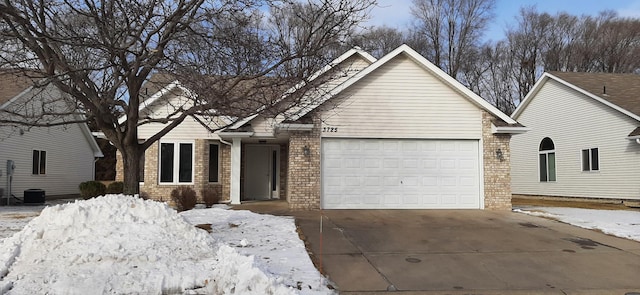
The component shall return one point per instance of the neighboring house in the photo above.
(54, 159)
(393, 133)
(584, 139)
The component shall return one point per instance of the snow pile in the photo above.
(272, 240)
(122, 244)
(620, 223)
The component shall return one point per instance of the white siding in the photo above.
(336, 76)
(575, 122)
(188, 129)
(69, 159)
(401, 100)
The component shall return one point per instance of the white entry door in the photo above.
(400, 174)
(261, 172)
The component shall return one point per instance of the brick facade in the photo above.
(300, 167)
(151, 187)
(303, 173)
(497, 172)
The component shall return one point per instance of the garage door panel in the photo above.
(386, 174)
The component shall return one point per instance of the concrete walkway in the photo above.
(464, 252)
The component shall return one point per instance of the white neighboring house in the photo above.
(54, 159)
(584, 139)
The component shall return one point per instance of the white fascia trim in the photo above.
(547, 76)
(415, 56)
(235, 134)
(508, 130)
(331, 65)
(294, 127)
(149, 101)
(97, 152)
(525, 101)
(597, 98)
(24, 92)
(456, 84)
(240, 123)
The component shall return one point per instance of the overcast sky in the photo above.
(396, 13)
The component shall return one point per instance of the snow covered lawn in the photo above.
(620, 223)
(124, 245)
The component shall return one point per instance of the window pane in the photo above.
(547, 144)
(213, 163)
(166, 162)
(274, 170)
(141, 174)
(595, 164)
(585, 160)
(551, 161)
(543, 167)
(43, 162)
(186, 162)
(35, 166)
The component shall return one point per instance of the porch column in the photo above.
(236, 150)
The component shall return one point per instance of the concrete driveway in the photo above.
(466, 252)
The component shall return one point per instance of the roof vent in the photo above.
(604, 90)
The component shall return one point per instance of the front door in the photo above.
(261, 173)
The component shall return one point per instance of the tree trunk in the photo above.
(131, 164)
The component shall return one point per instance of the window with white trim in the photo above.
(547, 160)
(39, 163)
(176, 162)
(590, 160)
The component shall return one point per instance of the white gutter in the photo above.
(508, 129)
(235, 134)
(294, 127)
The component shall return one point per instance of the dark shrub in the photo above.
(91, 189)
(210, 196)
(115, 187)
(184, 197)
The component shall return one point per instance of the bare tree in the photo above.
(451, 29)
(99, 54)
(378, 41)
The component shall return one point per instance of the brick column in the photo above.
(497, 172)
(303, 176)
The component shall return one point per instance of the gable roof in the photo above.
(14, 83)
(618, 91)
(350, 53)
(425, 64)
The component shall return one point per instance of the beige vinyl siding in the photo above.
(401, 100)
(262, 126)
(338, 75)
(575, 122)
(69, 159)
(188, 129)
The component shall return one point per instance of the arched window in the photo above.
(547, 158)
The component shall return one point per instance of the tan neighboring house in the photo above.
(393, 133)
(54, 159)
(584, 140)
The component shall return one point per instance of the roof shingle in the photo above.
(622, 90)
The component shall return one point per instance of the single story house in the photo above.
(584, 140)
(392, 133)
(54, 159)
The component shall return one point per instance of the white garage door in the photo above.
(400, 174)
